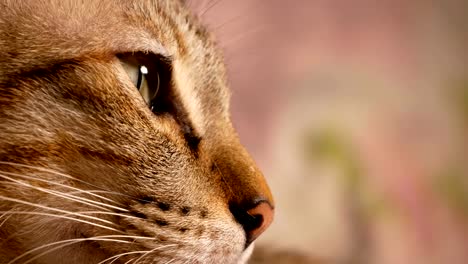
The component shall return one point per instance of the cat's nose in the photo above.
(254, 218)
(246, 192)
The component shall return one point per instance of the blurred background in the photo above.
(357, 113)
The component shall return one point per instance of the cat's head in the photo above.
(116, 141)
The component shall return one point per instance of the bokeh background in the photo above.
(357, 113)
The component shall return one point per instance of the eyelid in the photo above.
(140, 42)
(146, 58)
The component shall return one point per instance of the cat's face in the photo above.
(92, 171)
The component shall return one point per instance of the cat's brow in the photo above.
(143, 44)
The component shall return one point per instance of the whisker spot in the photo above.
(185, 210)
(139, 214)
(203, 213)
(164, 206)
(160, 222)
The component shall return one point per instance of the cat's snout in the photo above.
(246, 192)
(254, 219)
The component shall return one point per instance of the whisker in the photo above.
(99, 189)
(151, 251)
(55, 209)
(68, 242)
(109, 213)
(11, 213)
(244, 35)
(70, 187)
(228, 21)
(115, 257)
(49, 171)
(120, 194)
(210, 5)
(110, 192)
(6, 219)
(199, 5)
(128, 262)
(66, 196)
(172, 261)
(93, 193)
(64, 244)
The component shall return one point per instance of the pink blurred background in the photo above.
(357, 113)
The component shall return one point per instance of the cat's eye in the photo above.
(151, 74)
(145, 78)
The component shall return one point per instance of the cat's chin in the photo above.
(246, 254)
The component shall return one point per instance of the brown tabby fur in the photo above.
(82, 156)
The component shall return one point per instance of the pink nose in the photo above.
(255, 220)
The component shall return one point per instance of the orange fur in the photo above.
(82, 156)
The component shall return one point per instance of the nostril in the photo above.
(254, 220)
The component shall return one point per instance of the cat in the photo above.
(116, 144)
